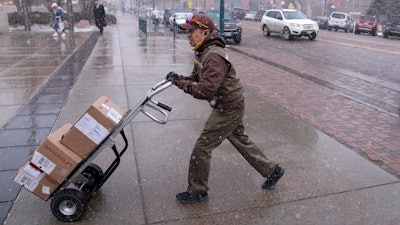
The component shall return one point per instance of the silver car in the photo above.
(289, 23)
(341, 20)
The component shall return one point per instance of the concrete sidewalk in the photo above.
(325, 182)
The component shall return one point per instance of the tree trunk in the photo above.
(26, 6)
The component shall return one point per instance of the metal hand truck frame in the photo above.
(70, 200)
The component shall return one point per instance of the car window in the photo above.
(270, 14)
(290, 15)
(338, 16)
(394, 19)
(215, 16)
(184, 16)
(367, 18)
(278, 15)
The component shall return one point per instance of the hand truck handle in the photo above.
(159, 87)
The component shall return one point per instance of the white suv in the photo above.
(289, 23)
(340, 20)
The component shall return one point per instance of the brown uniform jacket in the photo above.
(213, 77)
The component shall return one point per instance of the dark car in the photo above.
(168, 13)
(259, 15)
(322, 21)
(366, 24)
(232, 26)
(391, 27)
(239, 13)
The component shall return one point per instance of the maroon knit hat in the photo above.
(199, 20)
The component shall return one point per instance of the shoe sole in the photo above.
(193, 201)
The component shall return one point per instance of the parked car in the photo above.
(341, 20)
(232, 26)
(322, 21)
(168, 13)
(251, 15)
(239, 13)
(366, 24)
(199, 10)
(288, 23)
(391, 27)
(178, 18)
(259, 15)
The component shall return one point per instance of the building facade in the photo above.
(309, 7)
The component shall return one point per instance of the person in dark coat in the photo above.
(99, 16)
(214, 79)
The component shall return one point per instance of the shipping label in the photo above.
(29, 177)
(43, 162)
(27, 181)
(91, 128)
(114, 115)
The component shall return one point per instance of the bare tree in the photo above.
(18, 4)
(86, 6)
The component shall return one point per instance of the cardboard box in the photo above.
(54, 158)
(36, 181)
(93, 127)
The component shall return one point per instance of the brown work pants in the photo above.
(219, 126)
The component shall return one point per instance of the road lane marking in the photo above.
(359, 46)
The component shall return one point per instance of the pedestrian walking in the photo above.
(58, 20)
(99, 16)
(213, 78)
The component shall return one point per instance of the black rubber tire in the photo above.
(94, 174)
(312, 36)
(266, 32)
(286, 34)
(69, 205)
(237, 40)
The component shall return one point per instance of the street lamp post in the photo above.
(221, 18)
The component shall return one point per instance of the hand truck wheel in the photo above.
(94, 174)
(69, 205)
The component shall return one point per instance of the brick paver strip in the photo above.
(373, 133)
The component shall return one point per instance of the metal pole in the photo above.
(221, 19)
(70, 16)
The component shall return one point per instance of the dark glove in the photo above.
(171, 76)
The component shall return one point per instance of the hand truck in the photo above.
(70, 199)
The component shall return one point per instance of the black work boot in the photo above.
(273, 179)
(187, 198)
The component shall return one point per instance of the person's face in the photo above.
(196, 35)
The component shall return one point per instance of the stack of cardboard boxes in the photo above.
(62, 151)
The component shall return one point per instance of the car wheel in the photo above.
(177, 30)
(385, 35)
(266, 31)
(329, 28)
(312, 36)
(286, 34)
(356, 32)
(373, 33)
(237, 41)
